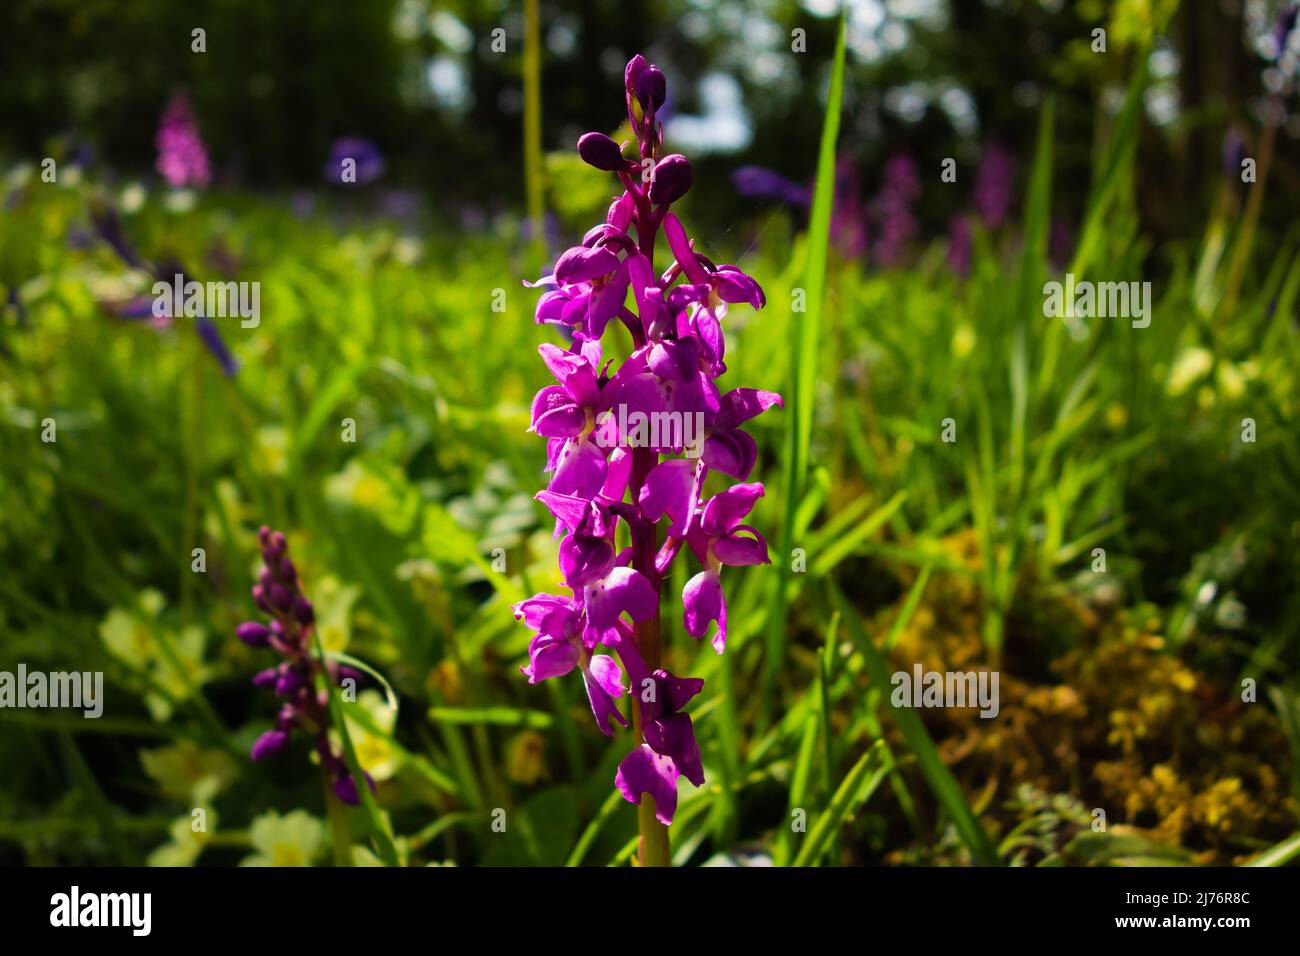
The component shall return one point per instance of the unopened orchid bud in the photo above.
(651, 88)
(289, 682)
(275, 546)
(254, 634)
(673, 176)
(632, 73)
(346, 788)
(269, 744)
(597, 149)
(280, 597)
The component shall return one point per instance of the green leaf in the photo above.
(378, 825)
(854, 790)
(803, 377)
(1279, 854)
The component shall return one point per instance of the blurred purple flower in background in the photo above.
(108, 224)
(1234, 151)
(759, 182)
(959, 245)
(302, 203)
(848, 218)
(182, 160)
(994, 185)
(367, 163)
(1286, 22)
(891, 210)
(1060, 242)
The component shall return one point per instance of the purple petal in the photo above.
(736, 286)
(618, 475)
(579, 470)
(549, 614)
(605, 303)
(346, 788)
(732, 453)
(607, 675)
(581, 264)
(725, 509)
(254, 634)
(602, 679)
(622, 590)
(573, 372)
(675, 692)
(549, 657)
(621, 211)
(556, 415)
(668, 490)
(709, 331)
(681, 249)
(551, 306)
(675, 359)
(569, 510)
(217, 346)
(737, 550)
(585, 561)
(680, 296)
(741, 404)
(645, 772)
(674, 736)
(703, 602)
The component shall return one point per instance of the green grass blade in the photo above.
(533, 164)
(1279, 854)
(854, 790)
(492, 716)
(803, 380)
(378, 826)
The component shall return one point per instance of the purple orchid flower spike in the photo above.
(994, 185)
(631, 450)
(278, 594)
(959, 245)
(892, 210)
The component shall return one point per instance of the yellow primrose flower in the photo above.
(289, 840)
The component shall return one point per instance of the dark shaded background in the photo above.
(294, 74)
